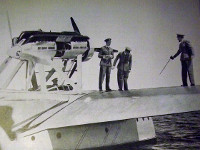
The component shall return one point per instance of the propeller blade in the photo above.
(73, 69)
(9, 26)
(74, 26)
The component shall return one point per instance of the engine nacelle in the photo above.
(42, 52)
(69, 47)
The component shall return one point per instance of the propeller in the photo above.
(74, 26)
(9, 26)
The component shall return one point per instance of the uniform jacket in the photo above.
(106, 55)
(125, 61)
(184, 51)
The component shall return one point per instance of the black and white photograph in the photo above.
(99, 74)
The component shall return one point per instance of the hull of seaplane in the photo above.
(91, 136)
(87, 120)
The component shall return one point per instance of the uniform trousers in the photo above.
(104, 70)
(122, 77)
(187, 69)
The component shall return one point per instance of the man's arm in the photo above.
(112, 55)
(177, 53)
(115, 61)
(100, 55)
(130, 62)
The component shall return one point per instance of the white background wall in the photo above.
(149, 27)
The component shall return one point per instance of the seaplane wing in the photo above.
(36, 113)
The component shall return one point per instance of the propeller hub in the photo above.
(15, 51)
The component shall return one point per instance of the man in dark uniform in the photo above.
(106, 54)
(124, 68)
(186, 52)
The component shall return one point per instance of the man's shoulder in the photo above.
(119, 54)
(130, 54)
(103, 47)
(185, 42)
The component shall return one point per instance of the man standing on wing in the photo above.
(124, 68)
(106, 55)
(186, 52)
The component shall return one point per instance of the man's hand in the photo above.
(104, 56)
(113, 67)
(171, 57)
(107, 56)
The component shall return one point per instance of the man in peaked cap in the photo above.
(106, 54)
(124, 68)
(186, 52)
(108, 39)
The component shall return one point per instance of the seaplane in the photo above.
(63, 116)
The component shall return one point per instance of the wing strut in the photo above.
(12, 75)
(5, 64)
